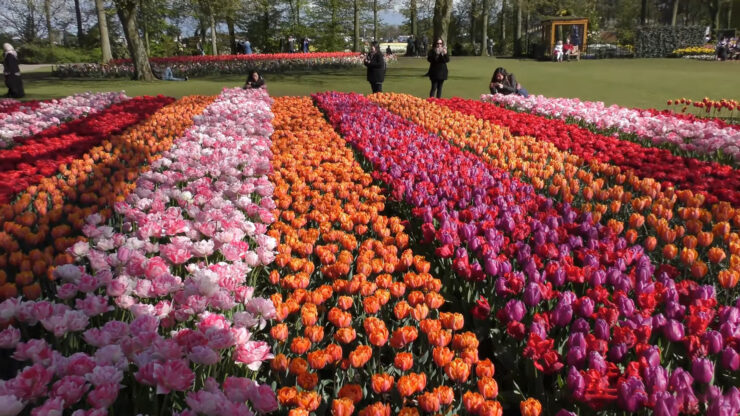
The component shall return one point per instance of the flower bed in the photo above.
(700, 138)
(21, 123)
(10, 105)
(634, 208)
(174, 323)
(194, 66)
(41, 155)
(575, 301)
(48, 218)
(717, 182)
(352, 295)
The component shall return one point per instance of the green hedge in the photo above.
(43, 54)
(661, 41)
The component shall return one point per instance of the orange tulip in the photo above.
(458, 370)
(352, 392)
(345, 335)
(728, 279)
(308, 400)
(308, 380)
(491, 408)
(279, 363)
(429, 402)
(342, 407)
(376, 409)
(716, 255)
(488, 387)
(403, 361)
(485, 368)
(530, 407)
(472, 402)
(381, 383)
(360, 356)
(279, 332)
(300, 345)
(287, 396)
(442, 356)
(446, 395)
(314, 333)
(298, 366)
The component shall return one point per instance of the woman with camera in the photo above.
(438, 59)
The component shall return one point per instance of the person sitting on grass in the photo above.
(505, 83)
(166, 74)
(254, 80)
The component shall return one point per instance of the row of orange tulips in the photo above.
(692, 237)
(352, 297)
(48, 218)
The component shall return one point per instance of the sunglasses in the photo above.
(439, 43)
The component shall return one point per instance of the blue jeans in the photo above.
(522, 92)
(168, 75)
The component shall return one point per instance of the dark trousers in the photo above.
(436, 86)
(376, 86)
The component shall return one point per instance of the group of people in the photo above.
(243, 47)
(564, 51)
(728, 49)
(502, 82)
(416, 46)
(291, 45)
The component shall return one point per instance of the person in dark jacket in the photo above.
(505, 83)
(254, 80)
(438, 59)
(12, 72)
(375, 64)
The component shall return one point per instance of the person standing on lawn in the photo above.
(438, 59)
(12, 72)
(375, 63)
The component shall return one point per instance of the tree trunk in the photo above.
(375, 20)
(47, 15)
(232, 33)
(503, 25)
(473, 21)
(518, 31)
(103, 27)
(675, 13)
(441, 19)
(212, 17)
(127, 14)
(78, 15)
(484, 29)
(729, 13)
(414, 15)
(643, 12)
(356, 20)
(146, 35)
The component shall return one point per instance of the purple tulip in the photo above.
(539, 329)
(729, 315)
(673, 330)
(601, 329)
(666, 404)
(532, 294)
(652, 356)
(576, 383)
(563, 412)
(730, 359)
(659, 321)
(501, 287)
(656, 379)
(514, 310)
(626, 306)
(733, 397)
(597, 362)
(562, 314)
(491, 265)
(557, 278)
(681, 383)
(720, 407)
(713, 340)
(580, 325)
(585, 307)
(631, 394)
(617, 352)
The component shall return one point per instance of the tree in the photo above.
(126, 10)
(78, 16)
(441, 19)
(485, 10)
(675, 13)
(413, 18)
(103, 27)
(47, 15)
(518, 32)
(356, 25)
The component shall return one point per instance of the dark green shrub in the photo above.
(43, 54)
(661, 41)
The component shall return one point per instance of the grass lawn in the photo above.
(627, 82)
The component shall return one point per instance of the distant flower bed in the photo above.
(222, 64)
(694, 51)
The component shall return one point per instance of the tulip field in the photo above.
(343, 254)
